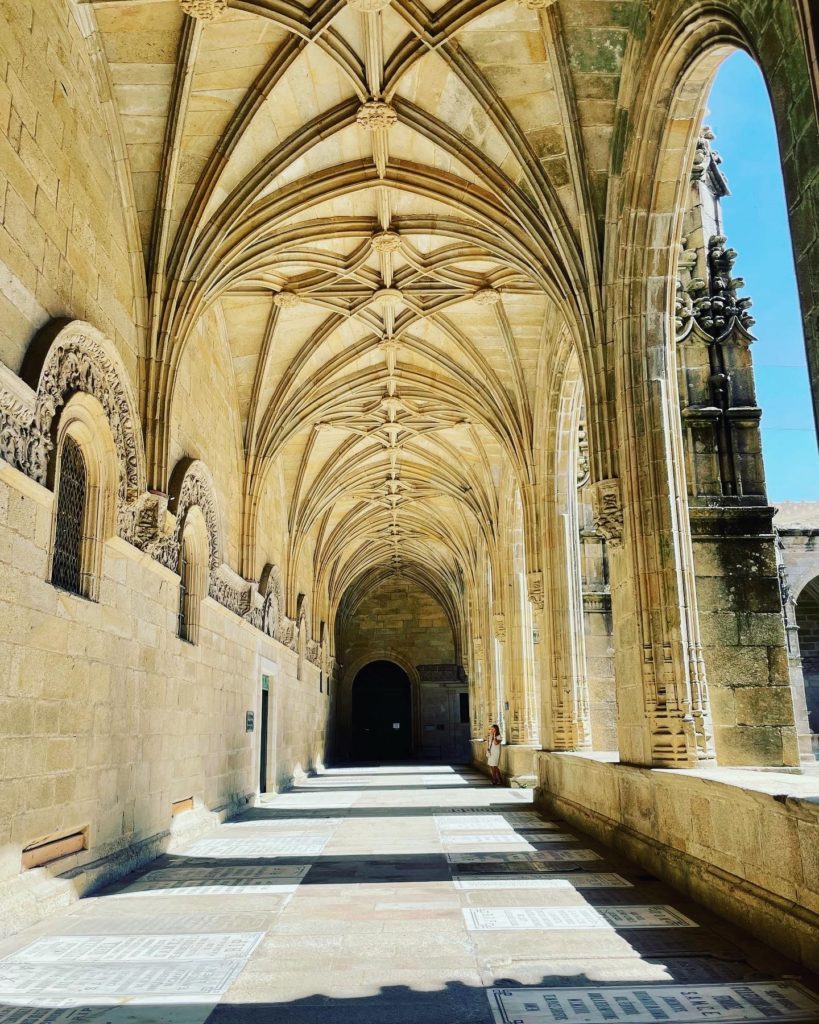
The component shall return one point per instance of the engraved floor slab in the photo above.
(739, 1004)
(279, 846)
(520, 858)
(196, 946)
(558, 918)
(581, 880)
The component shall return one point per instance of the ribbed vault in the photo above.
(394, 211)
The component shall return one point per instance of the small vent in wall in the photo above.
(178, 806)
(52, 848)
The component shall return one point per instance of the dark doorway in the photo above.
(263, 736)
(382, 713)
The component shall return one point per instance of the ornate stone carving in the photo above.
(534, 5)
(286, 299)
(583, 467)
(369, 6)
(711, 303)
(386, 241)
(375, 115)
(487, 296)
(534, 582)
(499, 623)
(270, 618)
(79, 359)
(193, 486)
(388, 297)
(607, 510)
(204, 10)
(230, 590)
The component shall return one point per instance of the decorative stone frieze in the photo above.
(375, 115)
(286, 299)
(204, 10)
(230, 590)
(386, 241)
(487, 296)
(607, 510)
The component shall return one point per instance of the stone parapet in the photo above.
(708, 832)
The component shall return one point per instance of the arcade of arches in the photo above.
(372, 372)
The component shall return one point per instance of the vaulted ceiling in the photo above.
(396, 209)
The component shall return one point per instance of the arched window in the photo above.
(67, 570)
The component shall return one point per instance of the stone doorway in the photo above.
(382, 713)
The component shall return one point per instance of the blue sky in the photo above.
(756, 224)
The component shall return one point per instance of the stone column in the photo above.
(734, 552)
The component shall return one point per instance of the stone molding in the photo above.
(369, 6)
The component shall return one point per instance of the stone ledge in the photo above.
(669, 823)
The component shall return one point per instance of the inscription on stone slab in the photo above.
(486, 837)
(278, 846)
(263, 873)
(208, 978)
(581, 880)
(512, 858)
(145, 948)
(554, 918)
(467, 822)
(685, 1004)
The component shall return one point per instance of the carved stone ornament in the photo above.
(487, 297)
(79, 360)
(607, 510)
(286, 300)
(534, 582)
(369, 6)
(388, 297)
(194, 487)
(583, 467)
(204, 10)
(375, 114)
(499, 623)
(270, 617)
(534, 5)
(386, 241)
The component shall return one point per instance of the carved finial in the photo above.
(375, 114)
(386, 241)
(286, 300)
(369, 6)
(487, 297)
(204, 10)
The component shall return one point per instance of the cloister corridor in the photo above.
(384, 895)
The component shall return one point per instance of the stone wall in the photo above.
(106, 717)
(62, 251)
(401, 617)
(709, 833)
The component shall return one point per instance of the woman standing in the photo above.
(493, 752)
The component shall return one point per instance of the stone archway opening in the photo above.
(807, 618)
(382, 713)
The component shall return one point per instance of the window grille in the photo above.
(66, 566)
(182, 624)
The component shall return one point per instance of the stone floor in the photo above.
(393, 895)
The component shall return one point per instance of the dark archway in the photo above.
(382, 713)
(807, 618)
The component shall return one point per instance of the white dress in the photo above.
(493, 753)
